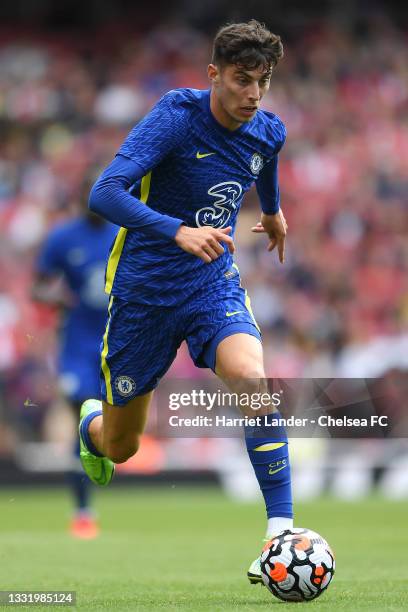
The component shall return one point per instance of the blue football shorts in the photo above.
(141, 341)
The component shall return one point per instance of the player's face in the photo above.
(237, 92)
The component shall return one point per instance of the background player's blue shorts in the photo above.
(141, 341)
(78, 373)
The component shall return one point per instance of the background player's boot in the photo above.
(99, 469)
(84, 526)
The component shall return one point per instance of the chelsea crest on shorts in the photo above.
(125, 386)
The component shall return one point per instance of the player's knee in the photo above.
(121, 450)
(245, 377)
(246, 370)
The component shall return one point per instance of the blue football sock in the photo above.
(85, 433)
(267, 448)
(79, 484)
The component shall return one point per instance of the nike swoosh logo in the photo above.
(231, 314)
(278, 470)
(201, 155)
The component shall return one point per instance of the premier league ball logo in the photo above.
(256, 163)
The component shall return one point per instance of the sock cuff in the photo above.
(267, 433)
(86, 438)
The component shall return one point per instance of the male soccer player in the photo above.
(175, 187)
(76, 250)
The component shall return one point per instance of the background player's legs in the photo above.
(77, 478)
(117, 435)
(239, 363)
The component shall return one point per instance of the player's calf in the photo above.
(119, 434)
(240, 365)
(121, 449)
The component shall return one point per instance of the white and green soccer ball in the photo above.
(297, 565)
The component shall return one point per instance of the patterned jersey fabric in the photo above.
(195, 170)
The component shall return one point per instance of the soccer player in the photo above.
(76, 251)
(175, 187)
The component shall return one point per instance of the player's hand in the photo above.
(276, 228)
(204, 242)
(51, 291)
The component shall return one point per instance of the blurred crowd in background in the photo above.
(339, 305)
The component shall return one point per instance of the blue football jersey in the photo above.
(197, 171)
(77, 250)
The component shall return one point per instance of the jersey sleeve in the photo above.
(49, 260)
(157, 134)
(275, 133)
(280, 134)
(110, 198)
(267, 187)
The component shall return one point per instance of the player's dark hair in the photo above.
(250, 45)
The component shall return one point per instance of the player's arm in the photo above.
(50, 290)
(111, 199)
(47, 286)
(150, 141)
(272, 221)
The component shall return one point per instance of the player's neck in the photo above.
(221, 115)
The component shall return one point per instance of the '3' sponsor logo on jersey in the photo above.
(227, 197)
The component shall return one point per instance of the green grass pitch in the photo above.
(177, 548)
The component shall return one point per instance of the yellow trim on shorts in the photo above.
(104, 364)
(118, 245)
(249, 308)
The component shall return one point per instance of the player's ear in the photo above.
(213, 74)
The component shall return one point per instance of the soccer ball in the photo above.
(297, 565)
